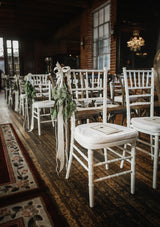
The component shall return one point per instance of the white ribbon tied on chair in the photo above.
(60, 121)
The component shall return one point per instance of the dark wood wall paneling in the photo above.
(56, 28)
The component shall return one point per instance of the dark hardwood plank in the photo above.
(114, 205)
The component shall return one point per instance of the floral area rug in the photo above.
(23, 200)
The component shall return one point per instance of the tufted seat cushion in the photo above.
(147, 124)
(43, 104)
(100, 135)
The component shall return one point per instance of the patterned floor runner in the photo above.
(23, 201)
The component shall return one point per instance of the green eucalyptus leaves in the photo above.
(30, 92)
(63, 98)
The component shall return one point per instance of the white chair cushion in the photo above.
(100, 102)
(148, 124)
(118, 98)
(98, 135)
(23, 96)
(44, 104)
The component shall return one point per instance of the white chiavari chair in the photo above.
(22, 96)
(139, 90)
(90, 139)
(41, 108)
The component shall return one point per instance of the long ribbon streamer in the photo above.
(61, 149)
(60, 137)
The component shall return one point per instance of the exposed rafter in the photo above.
(39, 19)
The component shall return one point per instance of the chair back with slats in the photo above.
(117, 89)
(42, 104)
(42, 85)
(139, 88)
(88, 88)
(11, 84)
(21, 86)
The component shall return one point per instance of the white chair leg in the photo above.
(19, 109)
(105, 157)
(32, 119)
(51, 117)
(133, 163)
(16, 95)
(27, 112)
(152, 149)
(155, 162)
(124, 153)
(22, 107)
(39, 124)
(91, 178)
(70, 157)
(52, 120)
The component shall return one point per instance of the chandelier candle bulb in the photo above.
(136, 42)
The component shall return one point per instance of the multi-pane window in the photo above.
(13, 57)
(1, 54)
(101, 37)
(9, 56)
(1, 48)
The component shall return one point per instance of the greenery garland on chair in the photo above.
(63, 108)
(63, 98)
(30, 91)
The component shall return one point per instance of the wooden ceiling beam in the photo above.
(61, 3)
(40, 18)
(43, 10)
(67, 29)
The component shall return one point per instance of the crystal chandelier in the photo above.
(136, 42)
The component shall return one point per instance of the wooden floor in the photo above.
(114, 205)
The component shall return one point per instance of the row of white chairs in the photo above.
(92, 137)
(139, 91)
(89, 90)
(16, 97)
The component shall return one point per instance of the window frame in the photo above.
(11, 60)
(102, 37)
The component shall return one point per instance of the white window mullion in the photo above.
(101, 37)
